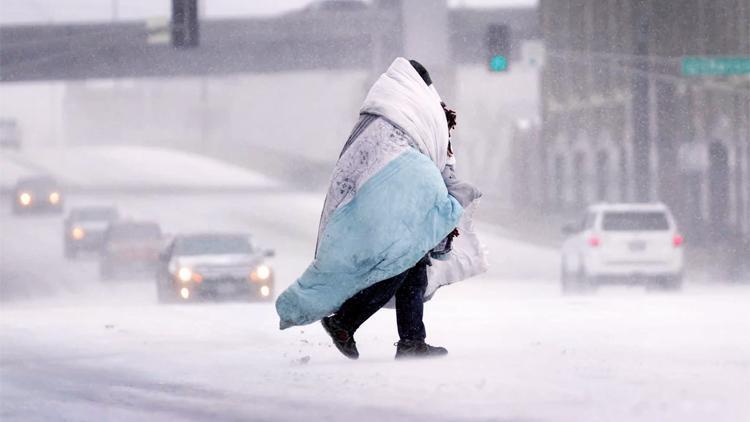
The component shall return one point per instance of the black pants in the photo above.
(409, 288)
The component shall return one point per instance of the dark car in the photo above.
(37, 194)
(214, 265)
(129, 248)
(84, 229)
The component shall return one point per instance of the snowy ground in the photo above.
(72, 348)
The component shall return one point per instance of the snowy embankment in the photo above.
(122, 168)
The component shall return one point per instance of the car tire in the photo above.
(165, 291)
(675, 284)
(590, 283)
(159, 292)
(70, 252)
(580, 283)
(565, 279)
(666, 284)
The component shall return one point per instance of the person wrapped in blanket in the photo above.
(391, 199)
(464, 192)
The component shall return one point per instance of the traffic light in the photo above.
(498, 47)
(184, 23)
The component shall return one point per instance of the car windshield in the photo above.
(95, 214)
(135, 232)
(213, 245)
(39, 184)
(635, 221)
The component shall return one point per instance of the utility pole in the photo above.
(641, 105)
(185, 22)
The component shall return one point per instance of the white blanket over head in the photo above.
(401, 96)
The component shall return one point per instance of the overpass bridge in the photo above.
(307, 39)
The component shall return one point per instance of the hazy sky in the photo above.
(21, 11)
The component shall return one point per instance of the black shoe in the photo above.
(418, 349)
(342, 338)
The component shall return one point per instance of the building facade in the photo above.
(623, 121)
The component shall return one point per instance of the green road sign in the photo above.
(498, 64)
(715, 66)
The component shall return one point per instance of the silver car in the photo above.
(213, 266)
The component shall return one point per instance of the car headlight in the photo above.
(54, 198)
(265, 291)
(78, 233)
(24, 198)
(185, 274)
(262, 272)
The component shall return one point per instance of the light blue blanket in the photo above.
(396, 216)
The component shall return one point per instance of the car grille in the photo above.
(224, 273)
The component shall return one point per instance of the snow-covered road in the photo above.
(72, 348)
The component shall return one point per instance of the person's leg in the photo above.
(410, 304)
(355, 311)
(360, 307)
(409, 313)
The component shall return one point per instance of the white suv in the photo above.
(622, 243)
